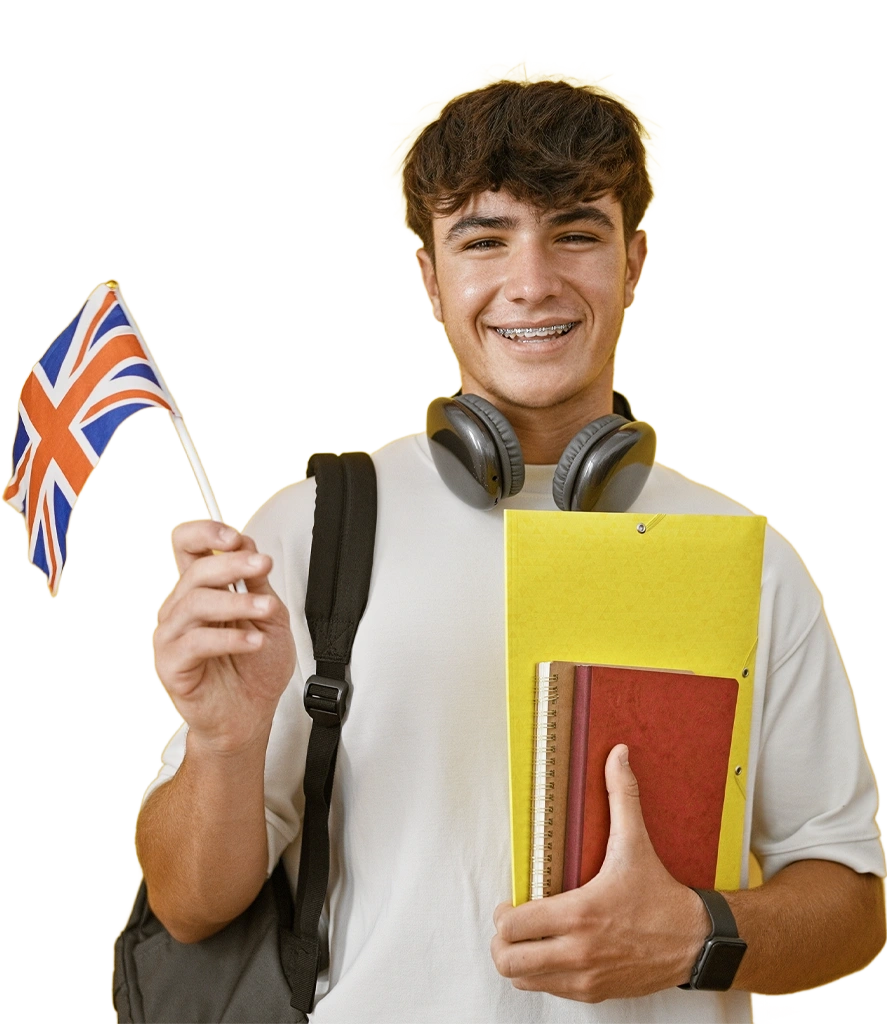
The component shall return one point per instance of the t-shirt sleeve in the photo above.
(815, 795)
(173, 755)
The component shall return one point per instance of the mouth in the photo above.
(534, 335)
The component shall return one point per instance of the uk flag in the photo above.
(97, 372)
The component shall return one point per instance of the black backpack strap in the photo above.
(338, 585)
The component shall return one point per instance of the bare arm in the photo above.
(202, 843)
(225, 659)
(813, 922)
(633, 929)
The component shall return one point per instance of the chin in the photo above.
(532, 396)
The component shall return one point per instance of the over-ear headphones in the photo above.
(477, 453)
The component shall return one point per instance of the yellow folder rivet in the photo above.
(738, 769)
(642, 528)
(745, 673)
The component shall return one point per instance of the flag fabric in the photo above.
(97, 372)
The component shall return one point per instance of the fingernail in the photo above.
(623, 757)
(262, 604)
(254, 639)
(255, 561)
(227, 535)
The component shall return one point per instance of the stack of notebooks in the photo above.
(679, 729)
(653, 620)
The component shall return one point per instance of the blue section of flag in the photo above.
(138, 370)
(39, 558)
(20, 443)
(99, 432)
(62, 511)
(55, 355)
(116, 318)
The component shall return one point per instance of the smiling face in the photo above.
(532, 302)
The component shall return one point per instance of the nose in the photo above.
(531, 275)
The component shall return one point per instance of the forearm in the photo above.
(202, 842)
(813, 922)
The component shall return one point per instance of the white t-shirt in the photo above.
(419, 822)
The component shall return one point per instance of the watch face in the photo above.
(719, 964)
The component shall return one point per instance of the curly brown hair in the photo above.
(548, 143)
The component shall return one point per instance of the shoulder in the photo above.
(289, 513)
(788, 594)
(283, 512)
(667, 491)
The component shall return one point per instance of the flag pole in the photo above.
(203, 483)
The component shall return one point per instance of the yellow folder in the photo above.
(652, 591)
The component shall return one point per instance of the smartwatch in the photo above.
(719, 959)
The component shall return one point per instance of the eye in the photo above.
(483, 243)
(578, 239)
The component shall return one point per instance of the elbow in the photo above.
(182, 928)
(871, 929)
(878, 930)
(189, 935)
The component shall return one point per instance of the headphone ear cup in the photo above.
(605, 466)
(511, 456)
(475, 450)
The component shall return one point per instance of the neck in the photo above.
(544, 432)
(543, 442)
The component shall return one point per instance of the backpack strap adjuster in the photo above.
(326, 700)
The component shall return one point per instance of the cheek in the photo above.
(466, 296)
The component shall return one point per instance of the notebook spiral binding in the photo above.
(544, 746)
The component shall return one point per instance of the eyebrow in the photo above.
(556, 220)
(466, 224)
(587, 213)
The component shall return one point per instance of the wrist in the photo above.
(722, 951)
(695, 933)
(246, 744)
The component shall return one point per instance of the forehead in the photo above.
(501, 210)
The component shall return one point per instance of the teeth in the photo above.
(531, 333)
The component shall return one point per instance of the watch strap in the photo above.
(723, 923)
(723, 949)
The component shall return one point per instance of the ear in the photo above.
(636, 254)
(429, 279)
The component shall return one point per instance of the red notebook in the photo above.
(678, 727)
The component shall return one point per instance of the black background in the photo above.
(285, 308)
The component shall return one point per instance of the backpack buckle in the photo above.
(326, 700)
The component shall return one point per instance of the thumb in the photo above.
(626, 818)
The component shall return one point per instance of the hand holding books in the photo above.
(632, 930)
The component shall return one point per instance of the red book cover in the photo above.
(678, 727)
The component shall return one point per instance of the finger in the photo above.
(536, 919)
(195, 540)
(258, 566)
(205, 606)
(220, 571)
(503, 908)
(175, 661)
(626, 818)
(533, 958)
(566, 984)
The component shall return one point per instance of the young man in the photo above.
(527, 198)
